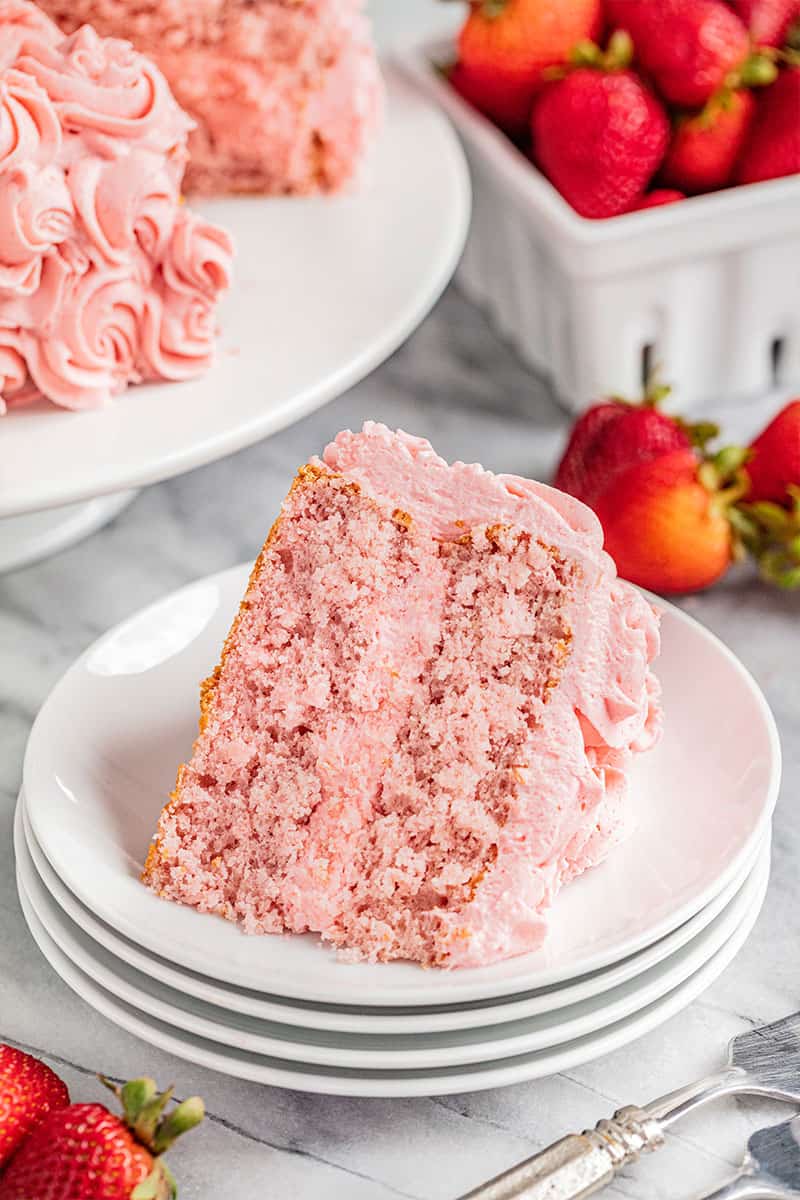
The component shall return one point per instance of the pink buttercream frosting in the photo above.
(105, 279)
(570, 805)
(423, 719)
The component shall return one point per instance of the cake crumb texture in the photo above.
(423, 714)
(420, 727)
(286, 95)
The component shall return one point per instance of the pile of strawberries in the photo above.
(53, 1150)
(688, 95)
(676, 514)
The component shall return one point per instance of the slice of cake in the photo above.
(421, 722)
(105, 277)
(286, 94)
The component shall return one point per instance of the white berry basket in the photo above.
(708, 288)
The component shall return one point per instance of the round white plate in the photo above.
(102, 755)
(358, 1082)
(365, 1020)
(325, 289)
(382, 1051)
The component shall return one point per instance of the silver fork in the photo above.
(761, 1062)
(771, 1167)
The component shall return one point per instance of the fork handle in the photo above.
(579, 1164)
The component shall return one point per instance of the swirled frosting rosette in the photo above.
(105, 278)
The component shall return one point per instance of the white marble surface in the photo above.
(456, 383)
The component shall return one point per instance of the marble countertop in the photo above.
(456, 383)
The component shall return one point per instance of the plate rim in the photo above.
(364, 1019)
(461, 989)
(212, 1026)
(358, 1084)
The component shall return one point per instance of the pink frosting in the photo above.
(105, 278)
(572, 798)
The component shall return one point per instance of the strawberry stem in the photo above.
(758, 70)
(771, 533)
(144, 1110)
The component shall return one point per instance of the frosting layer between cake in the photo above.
(422, 720)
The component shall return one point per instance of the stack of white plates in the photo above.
(630, 943)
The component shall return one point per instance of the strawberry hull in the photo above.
(708, 285)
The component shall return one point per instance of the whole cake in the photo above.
(286, 94)
(420, 726)
(105, 277)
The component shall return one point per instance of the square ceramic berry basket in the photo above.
(708, 288)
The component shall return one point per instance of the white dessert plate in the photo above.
(382, 1051)
(101, 760)
(325, 289)
(341, 1018)
(302, 1076)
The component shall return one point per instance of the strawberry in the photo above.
(768, 21)
(774, 462)
(656, 198)
(772, 148)
(706, 145)
(664, 528)
(84, 1152)
(505, 45)
(28, 1091)
(609, 438)
(598, 133)
(508, 104)
(688, 48)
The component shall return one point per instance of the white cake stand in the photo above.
(325, 289)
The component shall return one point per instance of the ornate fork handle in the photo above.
(579, 1164)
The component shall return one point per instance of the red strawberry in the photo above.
(704, 147)
(505, 45)
(28, 1091)
(687, 47)
(507, 104)
(665, 530)
(768, 21)
(774, 464)
(84, 1152)
(657, 197)
(772, 148)
(608, 439)
(598, 133)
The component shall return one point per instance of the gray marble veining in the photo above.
(455, 382)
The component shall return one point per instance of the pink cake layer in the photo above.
(286, 94)
(105, 277)
(423, 717)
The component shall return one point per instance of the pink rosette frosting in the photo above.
(104, 277)
(29, 127)
(179, 334)
(36, 214)
(104, 85)
(199, 257)
(125, 203)
(13, 369)
(23, 23)
(93, 354)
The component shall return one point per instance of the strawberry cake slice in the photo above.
(286, 95)
(420, 726)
